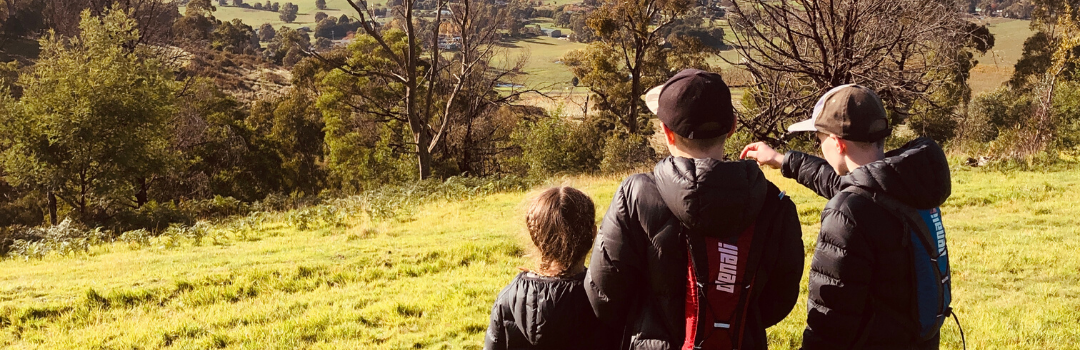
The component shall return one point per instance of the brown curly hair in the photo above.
(561, 222)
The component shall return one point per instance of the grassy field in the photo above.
(544, 68)
(427, 280)
(996, 66)
(305, 16)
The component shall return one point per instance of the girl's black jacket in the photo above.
(538, 312)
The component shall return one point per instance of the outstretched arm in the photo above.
(810, 171)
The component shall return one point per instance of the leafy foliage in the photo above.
(286, 40)
(94, 118)
(555, 145)
(266, 32)
(288, 12)
(627, 152)
(236, 37)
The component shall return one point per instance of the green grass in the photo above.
(544, 68)
(428, 280)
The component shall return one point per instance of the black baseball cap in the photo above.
(851, 112)
(694, 104)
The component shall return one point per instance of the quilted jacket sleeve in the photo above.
(616, 267)
(813, 172)
(840, 276)
(782, 290)
(495, 337)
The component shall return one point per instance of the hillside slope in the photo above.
(427, 279)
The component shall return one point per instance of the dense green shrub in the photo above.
(17, 207)
(217, 207)
(1004, 121)
(152, 216)
(626, 152)
(936, 124)
(66, 238)
(556, 145)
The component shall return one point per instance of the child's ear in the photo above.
(841, 144)
(668, 134)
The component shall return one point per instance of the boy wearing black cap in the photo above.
(701, 252)
(862, 293)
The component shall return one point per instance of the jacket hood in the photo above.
(538, 300)
(916, 174)
(711, 197)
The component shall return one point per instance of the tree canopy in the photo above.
(93, 123)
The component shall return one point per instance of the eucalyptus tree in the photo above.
(92, 128)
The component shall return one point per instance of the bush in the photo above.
(936, 124)
(155, 217)
(152, 216)
(624, 152)
(1004, 124)
(555, 145)
(20, 208)
(280, 202)
(217, 207)
(67, 238)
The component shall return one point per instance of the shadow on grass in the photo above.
(537, 42)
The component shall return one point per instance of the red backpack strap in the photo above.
(721, 295)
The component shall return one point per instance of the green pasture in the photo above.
(305, 17)
(427, 279)
(996, 66)
(544, 68)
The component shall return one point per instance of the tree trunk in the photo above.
(417, 123)
(52, 208)
(635, 92)
(422, 154)
(141, 196)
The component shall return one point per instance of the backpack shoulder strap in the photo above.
(908, 215)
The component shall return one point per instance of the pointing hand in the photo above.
(763, 154)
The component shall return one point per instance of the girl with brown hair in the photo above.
(548, 308)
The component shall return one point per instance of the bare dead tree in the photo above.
(439, 90)
(795, 50)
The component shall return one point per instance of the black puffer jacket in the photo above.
(860, 276)
(638, 272)
(537, 312)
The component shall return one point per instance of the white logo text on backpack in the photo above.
(729, 259)
(939, 231)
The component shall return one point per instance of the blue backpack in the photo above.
(933, 288)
